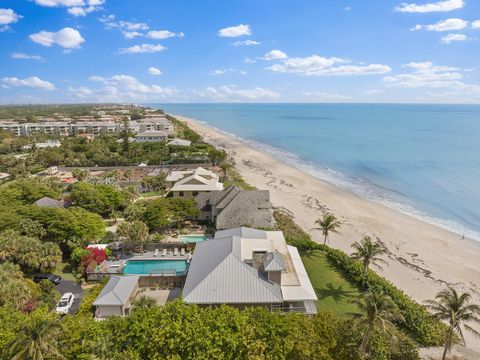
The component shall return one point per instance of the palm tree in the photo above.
(377, 312)
(225, 167)
(328, 223)
(135, 232)
(457, 311)
(50, 256)
(368, 252)
(145, 301)
(37, 339)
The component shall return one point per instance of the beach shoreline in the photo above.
(422, 258)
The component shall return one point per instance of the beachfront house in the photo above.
(116, 297)
(190, 183)
(151, 136)
(248, 267)
(234, 207)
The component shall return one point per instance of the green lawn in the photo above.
(64, 270)
(333, 290)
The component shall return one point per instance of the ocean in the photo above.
(423, 160)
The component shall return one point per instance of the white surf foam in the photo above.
(355, 185)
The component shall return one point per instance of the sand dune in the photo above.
(422, 258)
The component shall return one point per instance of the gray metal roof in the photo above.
(49, 202)
(244, 232)
(218, 275)
(117, 291)
(274, 262)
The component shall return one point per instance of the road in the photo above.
(77, 291)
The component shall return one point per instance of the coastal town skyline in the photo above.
(344, 51)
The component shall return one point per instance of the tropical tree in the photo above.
(377, 311)
(368, 252)
(135, 232)
(456, 310)
(37, 338)
(80, 174)
(327, 223)
(128, 174)
(225, 166)
(144, 301)
(32, 228)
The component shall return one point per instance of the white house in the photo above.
(190, 183)
(116, 297)
(249, 267)
(151, 136)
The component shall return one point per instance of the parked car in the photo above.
(53, 278)
(65, 304)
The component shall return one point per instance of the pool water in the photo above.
(193, 238)
(147, 267)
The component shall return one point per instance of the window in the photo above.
(195, 193)
(180, 193)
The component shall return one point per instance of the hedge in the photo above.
(418, 322)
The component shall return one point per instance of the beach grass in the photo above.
(333, 290)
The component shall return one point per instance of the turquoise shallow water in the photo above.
(145, 267)
(423, 160)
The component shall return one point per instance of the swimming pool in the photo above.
(147, 267)
(186, 239)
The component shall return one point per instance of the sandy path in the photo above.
(422, 258)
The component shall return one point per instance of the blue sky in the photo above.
(240, 51)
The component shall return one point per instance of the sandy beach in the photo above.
(422, 258)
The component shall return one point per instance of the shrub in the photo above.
(418, 322)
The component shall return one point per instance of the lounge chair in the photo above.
(155, 254)
(164, 252)
(175, 252)
(182, 251)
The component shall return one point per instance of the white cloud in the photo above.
(110, 23)
(80, 92)
(325, 96)
(131, 34)
(32, 82)
(75, 7)
(316, 65)
(425, 74)
(154, 71)
(373, 92)
(476, 24)
(248, 60)
(225, 71)
(163, 34)
(444, 25)
(231, 93)
(438, 6)
(447, 39)
(448, 79)
(55, 3)
(67, 38)
(143, 48)
(235, 31)
(121, 88)
(246, 43)
(274, 55)
(27, 57)
(7, 17)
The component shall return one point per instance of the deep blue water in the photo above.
(420, 159)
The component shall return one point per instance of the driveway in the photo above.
(77, 291)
